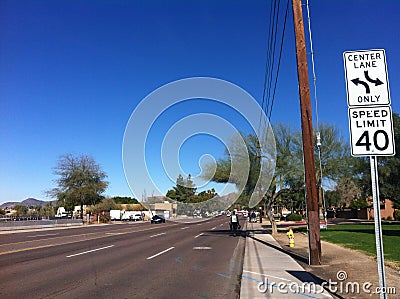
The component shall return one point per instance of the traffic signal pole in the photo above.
(314, 241)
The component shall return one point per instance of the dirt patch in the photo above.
(359, 268)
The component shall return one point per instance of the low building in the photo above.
(387, 210)
(164, 208)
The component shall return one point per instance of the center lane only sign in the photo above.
(366, 78)
(371, 130)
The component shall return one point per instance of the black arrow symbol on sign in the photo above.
(377, 81)
(358, 81)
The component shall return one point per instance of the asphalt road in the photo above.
(132, 260)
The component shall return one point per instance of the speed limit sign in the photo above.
(368, 97)
(371, 130)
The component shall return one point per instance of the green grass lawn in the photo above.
(362, 237)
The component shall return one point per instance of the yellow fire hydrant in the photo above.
(290, 235)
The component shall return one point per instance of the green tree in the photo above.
(81, 181)
(293, 202)
(21, 210)
(332, 198)
(336, 160)
(2, 211)
(48, 210)
(106, 204)
(36, 210)
(125, 200)
(359, 203)
(205, 195)
(184, 190)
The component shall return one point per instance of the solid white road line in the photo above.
(185, 227)
(157, 235)
(90, 251)
(199, 235)
(45, 235)
(202, 248)
(157, 254)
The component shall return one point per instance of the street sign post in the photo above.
(366, 78)
(371, 125)
(378, 227)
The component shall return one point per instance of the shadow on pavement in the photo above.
(308, 277)
(293, 255)
(240, 233)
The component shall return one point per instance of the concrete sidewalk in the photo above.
(269, 272)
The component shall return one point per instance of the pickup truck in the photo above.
(131, 216)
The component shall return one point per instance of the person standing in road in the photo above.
(234, 222)
(253, 216)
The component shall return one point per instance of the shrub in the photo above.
(294, 217)
(397, 215)
(104, 218)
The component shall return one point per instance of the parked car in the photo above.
(131, 216)
(158, 219)
(136, 217)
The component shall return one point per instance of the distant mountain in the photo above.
(27, 202)
(8, 204)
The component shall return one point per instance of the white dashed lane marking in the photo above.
(89, 251)
(162, 252)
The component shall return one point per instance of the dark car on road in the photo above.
(158, 219)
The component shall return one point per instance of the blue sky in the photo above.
(72, 72)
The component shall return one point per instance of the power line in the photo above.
(313, 66)
(316, 115)
(279, 60)
(267, 64)
(272, 69)
(273, 35)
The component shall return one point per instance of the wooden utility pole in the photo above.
(314, 242)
